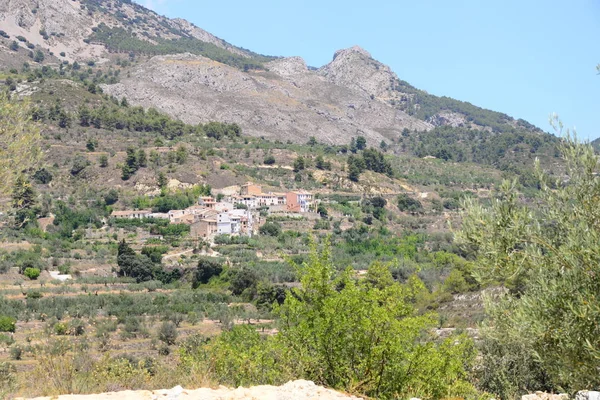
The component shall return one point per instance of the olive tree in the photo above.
(546, 253)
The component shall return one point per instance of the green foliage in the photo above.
(32, 273)
(23, 201)
(321, 164)
(133, 265)
(67, 220)
(299, 164)
(269, 160)
(430, 105)
(111, 197)
(408, 204)
(270, 229)
(155, 253)
(356, 166)
(172, 201)
(7, 324)
(120, 40)
(39, 56)
(206, 269)
(132, 163)
(361, 336)
(547, 253)
(167, 333)
(374, 161)
(80, 163)
(42, 176)
(375, 206)
(19, 141)
(242, 280)
(511, 151)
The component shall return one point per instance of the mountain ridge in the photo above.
(352, 95)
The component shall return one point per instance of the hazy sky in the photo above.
(527, 58)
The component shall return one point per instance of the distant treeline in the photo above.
(120, 116)
(120, 40)
(510, 151)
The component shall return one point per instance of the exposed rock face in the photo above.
(68, 23)
(354, 68)
(296, 390)
(63, 20)
(448, 118)
(587, 395)
(289, 66)
(287, 103)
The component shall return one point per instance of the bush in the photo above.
(335, 330)
(167, 333)
(32, 273)
(407, 203)
(76, 327)
(16, 352)
(207, 268)
(111, 197)
(42, 176)
(6, 339)
(269, 160)
(242, 280)
(34, 295)
(60, 328)
(79, 164)
(7, 324)
(270, 229)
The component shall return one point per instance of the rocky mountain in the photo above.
(197, 77)
(287, 102)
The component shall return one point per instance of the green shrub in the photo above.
(6, 339)
(361, 336)
(207, 268)
(167, 333)
(16, 352)
(270, 229)
(32, 273)
(60, 328)
(7, 324)
(34, 294)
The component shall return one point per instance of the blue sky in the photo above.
(527, 58)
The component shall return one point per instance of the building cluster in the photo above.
(231, 215)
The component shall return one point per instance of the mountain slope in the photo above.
(197, 77)
(89, 29)
(288, 103)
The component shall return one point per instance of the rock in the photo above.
(448, 118)
(587, 395)
(293, 390)
(288, 66)
(545, 396)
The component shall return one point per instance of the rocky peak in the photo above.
(354, 68)
(354, 50)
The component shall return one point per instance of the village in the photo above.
(237, 214)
